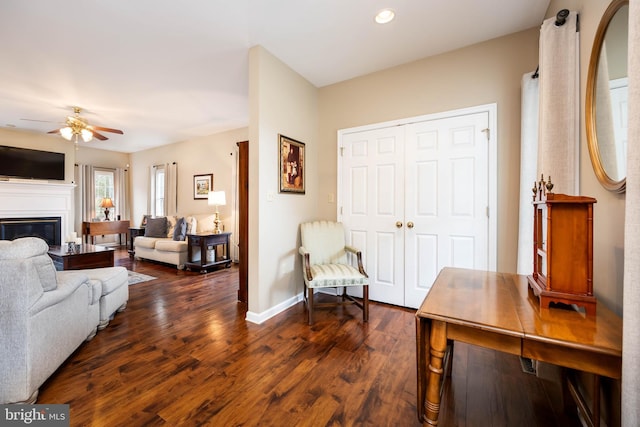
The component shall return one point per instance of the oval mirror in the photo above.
(606, 98)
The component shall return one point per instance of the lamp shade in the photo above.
(107, 203)
(217, 198)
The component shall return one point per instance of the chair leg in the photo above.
(310, 304)
(365, 303)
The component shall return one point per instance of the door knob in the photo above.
(410, 224)
(399, 224)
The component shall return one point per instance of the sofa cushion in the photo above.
(146, 242)
(204, 222)
(192, 224)
(46, 271)
(24, 247)
(36, 249)
(156, 227)
(167, 245)
(180, 230)
(111, 277)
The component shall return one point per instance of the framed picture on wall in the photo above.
(291, 165)
(202, 184)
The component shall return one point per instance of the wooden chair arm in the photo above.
(359, 258)
(306, 263)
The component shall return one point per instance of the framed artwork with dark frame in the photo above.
(202, 184)
(291, 165)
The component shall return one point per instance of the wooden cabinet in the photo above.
(563, 250)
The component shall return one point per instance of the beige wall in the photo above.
(281, 102)
(215, 154)
(102, 158)
(481, 74)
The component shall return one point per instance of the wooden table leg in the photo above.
(423, 326)
(438, 347)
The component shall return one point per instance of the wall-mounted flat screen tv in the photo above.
(31, 164)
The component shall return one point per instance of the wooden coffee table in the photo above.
(85, 256)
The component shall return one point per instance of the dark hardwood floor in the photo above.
(181, 354)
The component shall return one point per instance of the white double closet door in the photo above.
(415, 198)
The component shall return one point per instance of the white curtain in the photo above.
(170, 196)
(171, 189)
(558, 153)
(528, 169)
(631, 300)
(84, 196)
(121, 183)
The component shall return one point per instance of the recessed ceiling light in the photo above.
(385, 16)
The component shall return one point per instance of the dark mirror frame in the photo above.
(590, 107)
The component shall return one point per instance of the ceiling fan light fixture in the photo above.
(86, 134)
(67, 133)
(385, 16)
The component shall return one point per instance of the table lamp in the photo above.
(217, 198)
(106, 203)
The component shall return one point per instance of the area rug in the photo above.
(138, 277)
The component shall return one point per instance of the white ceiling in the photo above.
(167, 70)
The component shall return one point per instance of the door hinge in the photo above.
(488, 216)
(340, 210)
(487, 132)
(341, 151)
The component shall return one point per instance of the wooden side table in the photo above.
(201, 242)
(133, 233)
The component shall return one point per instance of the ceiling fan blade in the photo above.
(36, 120)
(99, 136)
(54, 131)
(106, 129)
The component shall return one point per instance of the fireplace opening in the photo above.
(47, 228)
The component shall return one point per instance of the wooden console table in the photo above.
(498, 311)
(201, 242)
(101, 228)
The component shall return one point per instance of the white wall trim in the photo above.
(259, 318)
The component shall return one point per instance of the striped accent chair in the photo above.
(326, 265)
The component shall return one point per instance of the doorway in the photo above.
(243, 221)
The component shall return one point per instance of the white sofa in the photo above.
(45, 315)
(166, 249)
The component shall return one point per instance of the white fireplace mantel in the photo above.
(24, 199)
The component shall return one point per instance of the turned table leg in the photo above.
(438, 347)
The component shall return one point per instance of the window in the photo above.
(104, 180)
(158, 190)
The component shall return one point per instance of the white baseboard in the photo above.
(259, 318)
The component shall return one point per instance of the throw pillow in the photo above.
(156, 227)
(171, 223)
(180, 230)
(191, 224)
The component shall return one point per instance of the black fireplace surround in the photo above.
(47, 228)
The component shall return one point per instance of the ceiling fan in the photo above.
(79, 127)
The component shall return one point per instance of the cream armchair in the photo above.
(325, 265)
(44, 317)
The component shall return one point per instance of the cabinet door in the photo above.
(446, 200)
(373, 202)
